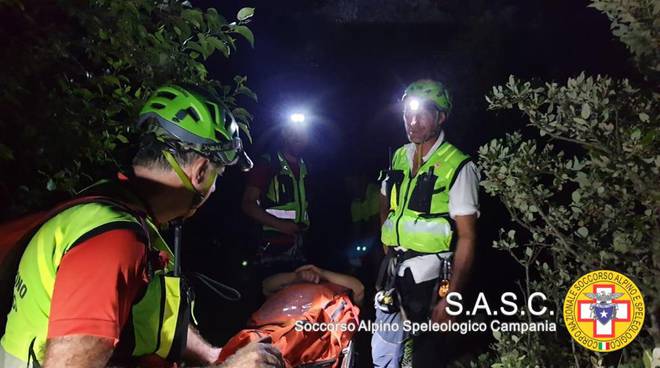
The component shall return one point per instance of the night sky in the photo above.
(347, 63)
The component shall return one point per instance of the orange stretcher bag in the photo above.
(285, 315)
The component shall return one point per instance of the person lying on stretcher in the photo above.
(314, 275)
(297, 304)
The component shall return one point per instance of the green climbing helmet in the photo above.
(430, 90)
(190, 118)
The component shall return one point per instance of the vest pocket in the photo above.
(286, 189)
(422, 194)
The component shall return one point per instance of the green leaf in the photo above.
(245, 32)
(51, 186)
(203, 42)
(643, 117)
(583, 232)
(242, 90)
(193, 16)
(242, 114)
(620, 247)
(201, 70)
(122, 139)
(636, 134)
(111, 80)
(219, 45)
(648, 138)
(246, 129)
(214, 20)
(576, 196)
(198, 48)
(244, 14)
(586, 111)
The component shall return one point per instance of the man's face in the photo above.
(422, 123)
(207, 176)
(296, 139)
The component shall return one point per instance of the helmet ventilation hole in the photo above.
(189, 111)
(211, 109)
(193, 113)
(167, 95)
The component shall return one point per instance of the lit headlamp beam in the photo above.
(413, 104)
(297, 117)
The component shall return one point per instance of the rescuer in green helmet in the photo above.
(98, 284)
(429, 208)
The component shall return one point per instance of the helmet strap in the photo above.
(197, 196)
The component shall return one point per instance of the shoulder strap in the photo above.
(47, 215)
(21, 230)
(103, 200)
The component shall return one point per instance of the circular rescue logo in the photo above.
(604, 311)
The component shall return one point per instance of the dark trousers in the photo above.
(431, 349)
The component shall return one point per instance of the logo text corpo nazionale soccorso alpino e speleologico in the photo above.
(604, 311)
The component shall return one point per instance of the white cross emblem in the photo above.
(585, 312)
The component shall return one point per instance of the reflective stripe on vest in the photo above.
(28, 319)
(423, 232)
(276, 202)
(282, 214)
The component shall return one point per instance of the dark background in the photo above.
(347, 63)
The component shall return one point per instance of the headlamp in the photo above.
(414, 104)
(297, 118)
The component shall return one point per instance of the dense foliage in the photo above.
(74, 75)
(584, 195)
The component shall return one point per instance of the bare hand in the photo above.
(288, 227)
(309, 273)
(258, 354)
(440, 314)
